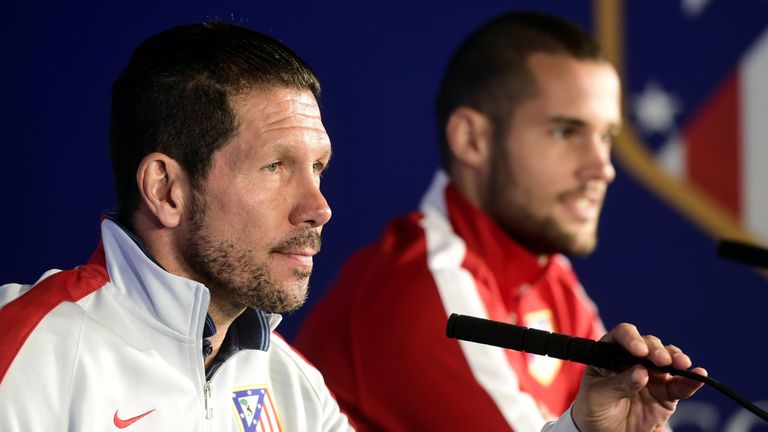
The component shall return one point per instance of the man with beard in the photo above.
(217, 146)
(527, 111)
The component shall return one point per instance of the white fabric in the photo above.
(563, 424)
(445, 255)
(135, 345)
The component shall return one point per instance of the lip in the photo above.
(583, 207)
(301, 257)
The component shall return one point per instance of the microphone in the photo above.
(606, 355)
(742, 252)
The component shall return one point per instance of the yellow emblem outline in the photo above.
(705, 212)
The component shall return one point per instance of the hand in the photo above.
(636, 400)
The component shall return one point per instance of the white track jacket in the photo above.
(117, 344)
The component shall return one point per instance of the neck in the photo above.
(470, 182)
(223, 316)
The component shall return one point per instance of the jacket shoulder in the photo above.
(26, 307)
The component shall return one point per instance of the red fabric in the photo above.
(379, 339)
(713, 137)
(27, 311)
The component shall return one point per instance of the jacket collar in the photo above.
(178, 304)
(516, 266)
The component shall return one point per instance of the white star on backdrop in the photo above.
(655, 109)
(672, 156)
(693, 8)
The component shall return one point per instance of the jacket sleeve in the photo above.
(563, 424)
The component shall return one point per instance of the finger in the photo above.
(679, 359)
(682, 388)
(627, 336)
(657, 352)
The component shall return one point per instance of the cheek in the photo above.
(536, 187)
(263, 217)
(232, 213)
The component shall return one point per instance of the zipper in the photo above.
(207, 397)
(197, 355)
(208, 388)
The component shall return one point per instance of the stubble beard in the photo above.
(235, 275)
(506, 203)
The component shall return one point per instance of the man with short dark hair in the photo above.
(527, 111)
(218, 146)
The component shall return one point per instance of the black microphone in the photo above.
(606, 355)
(743, 252)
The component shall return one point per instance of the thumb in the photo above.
(601, 403)
(620, 386)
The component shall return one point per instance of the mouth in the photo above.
(297, 251)
(301, 262)
(583, 205)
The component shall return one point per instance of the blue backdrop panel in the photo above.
(380, 64)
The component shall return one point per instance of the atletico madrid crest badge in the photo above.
(255, 409)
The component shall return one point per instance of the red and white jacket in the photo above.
(379, 334)
(117, 344)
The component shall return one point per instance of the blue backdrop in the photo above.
(379, 64)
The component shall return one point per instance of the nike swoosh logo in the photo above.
(122, 424)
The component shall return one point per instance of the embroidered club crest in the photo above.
(255, 409)
(543, 369)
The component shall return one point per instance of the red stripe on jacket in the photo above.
(19, 318)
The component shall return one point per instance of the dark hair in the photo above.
(175, 97)
(489, 72)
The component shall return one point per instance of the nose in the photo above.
(310, 210)
(596, 160)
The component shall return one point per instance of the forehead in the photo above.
(276, 118)
(277, 107)
(576, 87)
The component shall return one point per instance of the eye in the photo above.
(318, 167)
(607, 139)
(272, 167)
(562, 132)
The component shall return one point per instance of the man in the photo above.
(527, 111)
(217, 145)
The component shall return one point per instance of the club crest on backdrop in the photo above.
(696, 123)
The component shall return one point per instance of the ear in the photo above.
(468, 133)
(163, 185)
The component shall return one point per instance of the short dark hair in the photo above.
(175, 97)
(489, 72)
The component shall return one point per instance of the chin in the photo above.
(294, 296)
(566, 239)
(581, 247)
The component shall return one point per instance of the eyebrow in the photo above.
(570, 121)
(614, 128)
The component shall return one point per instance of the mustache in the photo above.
(307, 239)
